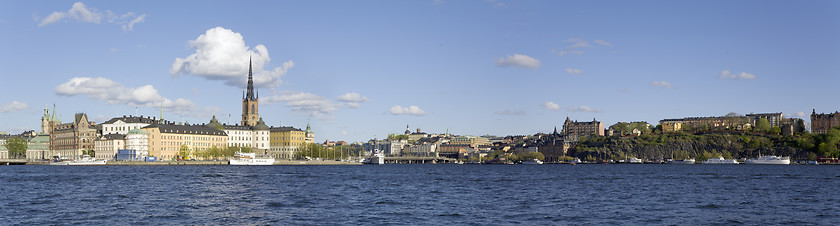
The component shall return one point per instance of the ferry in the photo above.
(378, 158)
(250, 159)
(532, 162)
(769, 160)
(635, 161)
(721, 160)
(684, 161)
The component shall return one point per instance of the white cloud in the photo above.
(585, 108)
(352, 100)
(114, 93)
(602, 42)
(81, 13)
(130, 25)
(550, 106)
(308, 103)
(801, 114)
(518, 60)
(725, 74)
(410, 110)
(575, 44)
(509, 112)
(221, 54)
(13, 106)
(662, 84)
(574, 71)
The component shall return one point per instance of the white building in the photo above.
(424, 149)
(126, 123)
(106, 146)
(255, 137)
(137, 140)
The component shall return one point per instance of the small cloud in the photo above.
(81, 13)
(114, 93)
(352, 100)
(113, 50)
(574, 71)
(308, 103)
(578, 43)
(437, 2)
(509, 112)
(602, 42)
(550, 106)
(801, 114)
(518, 60)
(585, 108)
(13, 106)
(662, 84)
(625, 90)
(411, 110)
(725, 74)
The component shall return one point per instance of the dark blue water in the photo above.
(421, 194)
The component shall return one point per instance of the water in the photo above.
(421, 194)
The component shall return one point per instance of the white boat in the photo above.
(576, 161)
(721, 160)
(532, 162)
(250, 159)
(684, 161)
(769, 160)
(378, 158)
(86, 160)
(635, 161)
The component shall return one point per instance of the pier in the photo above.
(13, 161)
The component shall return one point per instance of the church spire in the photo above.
(250, 95)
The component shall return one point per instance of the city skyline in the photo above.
(359, 70)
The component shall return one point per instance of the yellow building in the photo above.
(670, 126)
(165, 140)
(284, 141)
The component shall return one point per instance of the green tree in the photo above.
(775, 130)
(17, 147)
(533, 155)
(184, 152)
(762, 125)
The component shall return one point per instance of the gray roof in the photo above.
(113, 136)
(133, 119)
(284, 129)
(182, 129)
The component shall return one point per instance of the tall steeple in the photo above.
(250, 102)
(250, 95)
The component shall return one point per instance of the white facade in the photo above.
(106, 148)
(256, 139)
(421, 149)
(139, 142)
(125, 124)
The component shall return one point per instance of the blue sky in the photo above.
(363, 69)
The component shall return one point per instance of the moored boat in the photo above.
(721, 160)
(85, 160)
(684, 161)
(532, 162)
(377, 158)
(635, 161)
(250, 159)
(769, 160)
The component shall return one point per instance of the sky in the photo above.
(357, 70)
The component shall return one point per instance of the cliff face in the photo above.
(680, 146)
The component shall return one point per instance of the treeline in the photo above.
(701, 146)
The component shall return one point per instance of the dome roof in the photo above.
(215, 124)
(137, 131)
(261, 125)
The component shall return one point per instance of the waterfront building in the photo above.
(454, 151)
(39, 147)
(821, 123)
(285, 141)
(255, 137)
(72, 139)
(165, 140)
(422, 149)
(775, 119)
(138, 141)
(106, 146)
(469, 141)
(573, 130)
(122, 125)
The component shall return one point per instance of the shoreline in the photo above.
(221, 162)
